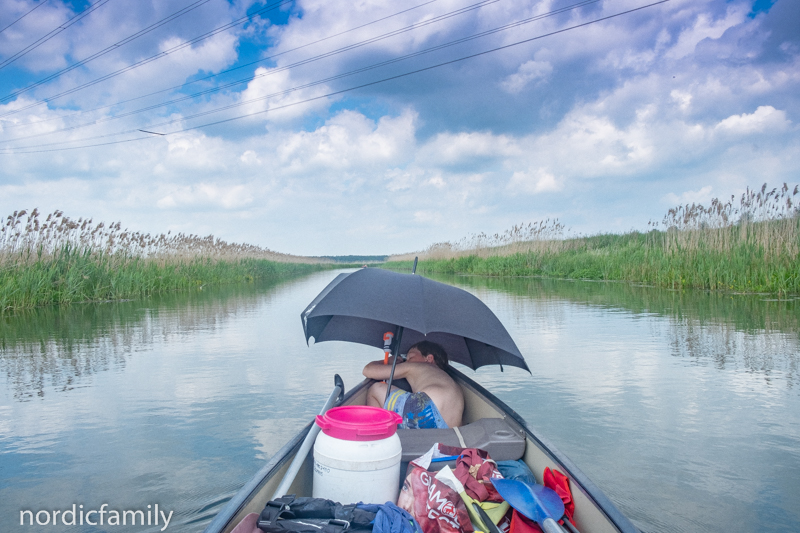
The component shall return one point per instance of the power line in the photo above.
(151, 58)
(108, 49)
(34, 8)
(371, 40)
(238, 67)
(342, 91)
(342, 75)
(53, 33)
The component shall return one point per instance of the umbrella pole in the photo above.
(399, 337)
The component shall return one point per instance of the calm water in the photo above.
(683, 407)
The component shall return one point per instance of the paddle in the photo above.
(335, 397)
(536, 502)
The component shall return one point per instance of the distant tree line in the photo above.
(356, 258)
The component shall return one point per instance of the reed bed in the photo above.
(749, 245)
(59, 260)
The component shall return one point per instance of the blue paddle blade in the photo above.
(535, 502)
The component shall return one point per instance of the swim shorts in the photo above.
(416, 408)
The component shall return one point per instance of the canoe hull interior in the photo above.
(594, 513)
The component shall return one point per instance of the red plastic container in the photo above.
(359, 423)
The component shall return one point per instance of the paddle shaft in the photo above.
(488, 525)
(300, 457)
(551, 526)
(568, 526)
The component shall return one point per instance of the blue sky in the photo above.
(604, 126)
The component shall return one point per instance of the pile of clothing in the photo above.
(457, 499)
(462, 499)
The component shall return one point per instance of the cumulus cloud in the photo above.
(706, 25)
(534, 182)
(466, 150)
(703, 195)
(273, 91)
(206, 194)
(529, 71)
(349, 140)
(765, 118)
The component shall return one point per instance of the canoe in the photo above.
(594, 512)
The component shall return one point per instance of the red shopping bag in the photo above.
(437, 507)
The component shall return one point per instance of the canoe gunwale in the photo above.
(591, 490)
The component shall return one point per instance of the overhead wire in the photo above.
(342, 75)
(237, 67)
(328, 95)
(104, 51)
(36, 44)
(34, 8)
(151, 58)
(318, 57)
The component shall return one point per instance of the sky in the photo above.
(313, 127)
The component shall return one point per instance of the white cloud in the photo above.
(764, 118)
(349, 140)
(527, 72)
(682, 98)
(402, 180)
(464, 148)
(249, 157)
(272, 90)
(706, 26)
(689, 197)
(207, 194)
(534, 182)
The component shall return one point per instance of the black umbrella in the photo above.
(362, 306)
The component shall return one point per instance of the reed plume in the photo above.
(57, 259)
(749, 245)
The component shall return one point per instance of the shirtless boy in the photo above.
(435, 401)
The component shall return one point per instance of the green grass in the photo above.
(72, 275)
(58, 260)
(748, 262)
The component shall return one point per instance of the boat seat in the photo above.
(494, 435)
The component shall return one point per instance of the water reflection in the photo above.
(681, 406)
(60, 348)
(749, 333)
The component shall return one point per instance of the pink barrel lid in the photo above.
(359, 422)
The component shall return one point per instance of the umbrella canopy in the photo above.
(362, 306)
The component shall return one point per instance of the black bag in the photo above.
(312, 515)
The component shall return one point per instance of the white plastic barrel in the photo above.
(357, 455)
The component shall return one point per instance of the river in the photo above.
(683, 407)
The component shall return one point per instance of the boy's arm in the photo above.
(378, 371)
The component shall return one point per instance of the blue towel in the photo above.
(390, 518)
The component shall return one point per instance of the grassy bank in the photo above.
(61, 261)
(749, 247)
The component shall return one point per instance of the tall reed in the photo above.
(60, 260)
(751, 246)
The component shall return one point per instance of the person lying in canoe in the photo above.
(435, 401)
